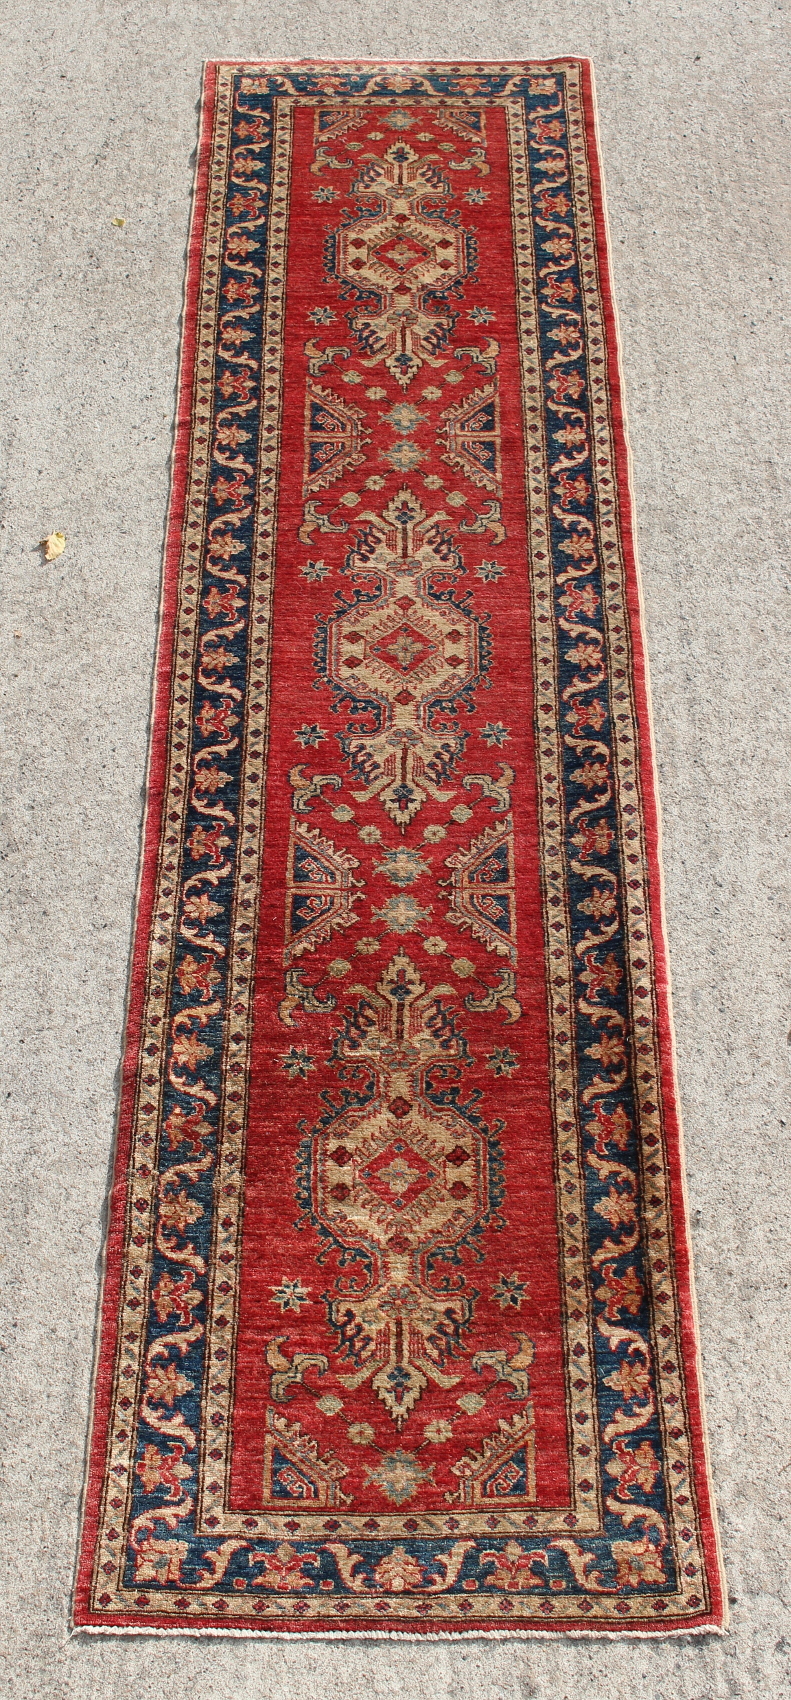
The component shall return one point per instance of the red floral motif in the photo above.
(252, 130)
(234, 491)
(558, 289)
(174, 1297)
(616, 1127)
(241, 289)
(546, 130)
(208, 841)
(587, 714)
(283, 1568)
(620, 1292)
(219, 602)
(249, 204)
(601, 977)
(593, 840)
(240, 384)
(215, 719)
(570, 489)
(553, 206)
(190, 1129)
(636, 1468)
(562, 385)
(580, 599)
(200, 977)
(513, 1567)
(163, 1469)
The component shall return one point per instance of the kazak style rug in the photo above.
(398, 1333)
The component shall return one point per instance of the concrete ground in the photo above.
(99, 122)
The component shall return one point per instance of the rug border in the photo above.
(108, 1319)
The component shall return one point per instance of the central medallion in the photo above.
(401, 1180)
(401, 261)
(405, 651)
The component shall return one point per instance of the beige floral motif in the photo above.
(437, 1431)
(338, 968)
(361, 1434)
(201, 908)
(637, 1562)
(163, 1469)
(160, 1561)
(398, 1572)
(599, 903)
(609, 1051)
(178, 1211)
(630, 1379)
(616, 1208)
(166, 1384)
(188, 1051)
(399, 1475)
(402, 914)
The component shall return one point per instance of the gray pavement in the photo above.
(99, 121)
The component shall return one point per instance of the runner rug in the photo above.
(398, 1332)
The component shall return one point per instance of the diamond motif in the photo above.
(404, 649)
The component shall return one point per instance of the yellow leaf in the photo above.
(119, 223)
(53, 545)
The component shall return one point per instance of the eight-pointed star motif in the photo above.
(509, 1291)
(297, 1063)
(502, 1061)
(310, 736)
(495, 733)
(290, 1295)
